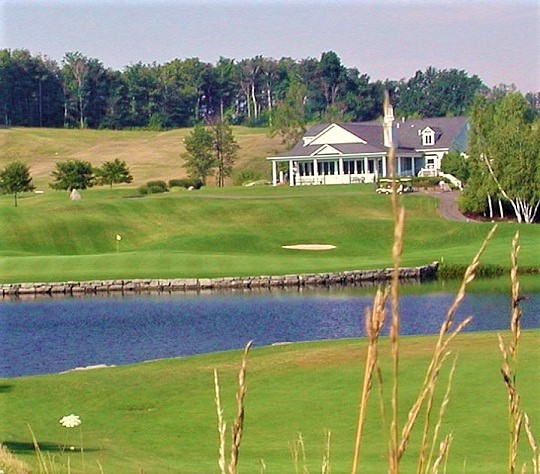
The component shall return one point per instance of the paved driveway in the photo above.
(448, 206)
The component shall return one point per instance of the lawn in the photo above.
(160, 416)
(231, 232)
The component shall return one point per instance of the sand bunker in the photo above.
(309, 247)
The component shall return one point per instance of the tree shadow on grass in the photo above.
(4, 387)
(23, 447)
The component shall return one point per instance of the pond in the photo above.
(53, 335)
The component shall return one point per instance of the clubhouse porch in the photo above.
(302, 171)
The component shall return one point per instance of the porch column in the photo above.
(291, 173)
(341, 171)
(384, 165)
(413, 160)
(274, 173)
(316, 170)
(366, 167)
(399, 165)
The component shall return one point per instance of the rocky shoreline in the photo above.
(353, 277)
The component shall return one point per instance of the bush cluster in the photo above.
(427, 181)
(186, 183)
(154, 187)
(246, 176)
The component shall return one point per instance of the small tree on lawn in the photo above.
(14, 179)
(72, 174)
(455, 163)
(199, 159)
(113, 172)
(224, 150)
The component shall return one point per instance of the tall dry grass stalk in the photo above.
(46, 465)
(397, 250)
(374, 321)
(238, 423)
(298, 451)
(427, 388)
(325, 464)
(517, 418)
(398, 444)
(222, 426)
(10, 464)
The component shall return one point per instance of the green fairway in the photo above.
(231, 232)
(160, 416)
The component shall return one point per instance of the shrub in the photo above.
(186, 183)
(246, 176)
(153, 187)
(158, 184)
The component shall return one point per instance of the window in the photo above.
(306, 168)
(327, 167)
(428, 137)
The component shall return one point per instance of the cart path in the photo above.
(448, 207)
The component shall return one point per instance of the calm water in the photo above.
(53, 335)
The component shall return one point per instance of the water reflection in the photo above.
(53, 335)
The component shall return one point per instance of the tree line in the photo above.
(81, 92)
(501, 170)
(68, 175)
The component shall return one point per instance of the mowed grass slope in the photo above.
(160, 416)
(150, 155)
(231, 232)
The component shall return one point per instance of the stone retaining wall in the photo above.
(355, 277)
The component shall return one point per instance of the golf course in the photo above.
(160, 416)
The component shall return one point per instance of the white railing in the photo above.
(433, 172)
(428, 172)
(453, 180)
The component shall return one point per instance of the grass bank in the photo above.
(231, 232)
(150, 155)
(160, 416)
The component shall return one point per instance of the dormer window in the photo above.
(428, 136)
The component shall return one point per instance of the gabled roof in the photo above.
(333, 134)
(367, 137)
(446, 130)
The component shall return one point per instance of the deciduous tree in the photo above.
(199, 159)
(113, 172)
(289, 117)
(15, 179)
(505, 149)
(224, 148)
(72, 174)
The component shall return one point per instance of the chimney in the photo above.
(388, 128)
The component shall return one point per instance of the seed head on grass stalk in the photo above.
(374, 321)
(517, 418)
(238, 424)
(427, 388)
(222, 426)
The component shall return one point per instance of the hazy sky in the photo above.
(499, 40)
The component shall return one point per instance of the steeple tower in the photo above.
(388, 126)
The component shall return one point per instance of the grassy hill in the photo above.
(150, 155)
